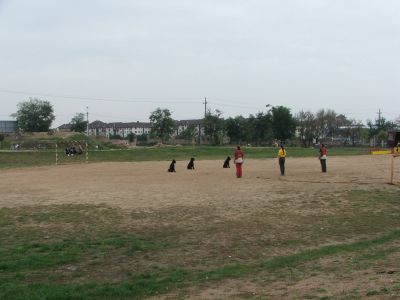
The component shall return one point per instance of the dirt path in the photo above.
(147, 185)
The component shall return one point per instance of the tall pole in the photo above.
(87, 120)
(205, 106)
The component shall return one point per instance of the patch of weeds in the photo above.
(372, 293)
(163, 281)
(375, 255)
(37, 256)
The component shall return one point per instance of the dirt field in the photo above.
(147, 185)
(205, 205)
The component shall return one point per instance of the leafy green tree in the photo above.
(78, 123)
(143, 137)
(353, 131)
(189, 133)
(236, 129)
(379, 128)
(254, 129)
(35, 115)
(162, 124)
(382, 137)
(1, 140)
(283, 123)
(214, 127)
(261, 127)
(131, 137)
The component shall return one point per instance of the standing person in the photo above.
(281, 159)
(239, 155)
(322, 157)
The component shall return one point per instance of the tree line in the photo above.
(276, 125)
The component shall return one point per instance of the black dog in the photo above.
(226, 162)
(190, 165)
(172, 166)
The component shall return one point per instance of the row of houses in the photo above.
(99, 128)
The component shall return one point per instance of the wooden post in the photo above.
(56, 153)
(87, 153)
(392, 170)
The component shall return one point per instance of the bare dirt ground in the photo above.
(147, 187)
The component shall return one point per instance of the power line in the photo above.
(170, 100)
(131, 100)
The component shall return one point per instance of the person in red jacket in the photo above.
(239, 155)
(322, 157)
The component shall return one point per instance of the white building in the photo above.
(99, 128)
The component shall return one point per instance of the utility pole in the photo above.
(205, 106)
(379, 118)
(87, 120)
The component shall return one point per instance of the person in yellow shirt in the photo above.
(281, 159)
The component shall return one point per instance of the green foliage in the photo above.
(115, 137)
(379, 128)
(382, 136)
(214, 127)
(35, 115)
(131, 137)
(142, 137)
(261, 128)
(283, 123)
(189, 133)
(235, 129)
(162, 124)
(78, 123)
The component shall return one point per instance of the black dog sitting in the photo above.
(190, 165)
(172, 166)
(226, 162)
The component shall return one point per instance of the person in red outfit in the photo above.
(239, 155)
(322, 157)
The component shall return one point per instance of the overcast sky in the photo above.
(124, 58)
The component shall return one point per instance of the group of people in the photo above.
(71, 151)
(239, 159)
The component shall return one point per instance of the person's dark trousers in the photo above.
(282, 165)
(323, 165)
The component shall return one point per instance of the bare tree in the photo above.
(306, 127)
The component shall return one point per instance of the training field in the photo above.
(128, 230)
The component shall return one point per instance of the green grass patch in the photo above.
(151, 284)
(36, 256)
(17, 159)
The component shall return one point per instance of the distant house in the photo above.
(8, 126)
(185, 124)
(99, 128)
(64, 128)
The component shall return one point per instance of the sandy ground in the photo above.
(147, 185)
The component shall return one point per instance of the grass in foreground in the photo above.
(92, 252)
